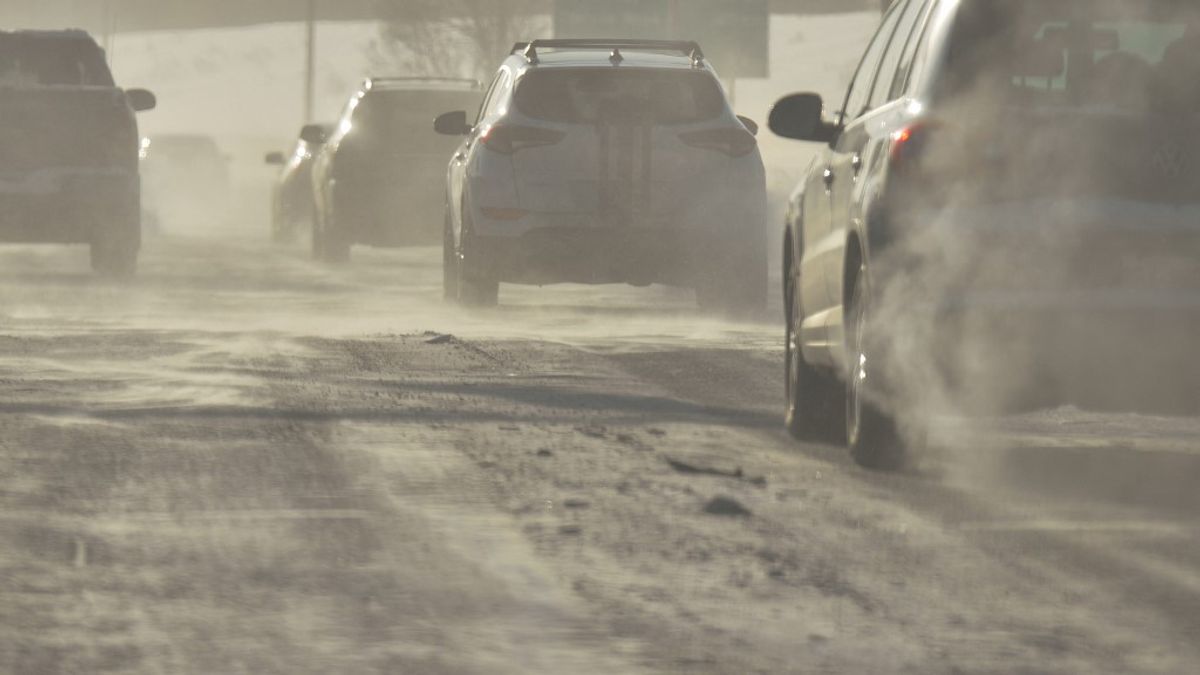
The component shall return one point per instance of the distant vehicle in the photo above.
(69, 148)
(1007, 198)
(292, 197)
(606, 161)
(185, 179)
(377, 179)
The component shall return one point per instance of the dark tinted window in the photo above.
(40, 61)
(405, 118)
(864, 77)
(891, 58)
(590, 95)
(1125, 55)
(908, 56)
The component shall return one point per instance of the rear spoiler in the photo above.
(688, 48)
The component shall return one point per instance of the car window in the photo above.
(916, 43)
(881, 91)
(50, 62)
(860, 87)
(891, 82)
(499, 95)
(487, 98)
(1126, 56)
(588, 95)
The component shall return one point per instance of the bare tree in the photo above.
(454, 37)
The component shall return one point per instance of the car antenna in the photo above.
(531, 54)
(616, 57)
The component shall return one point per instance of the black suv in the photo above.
(1005, 213)
(377, 177)
(69, 148)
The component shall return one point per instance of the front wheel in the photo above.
(872, 433)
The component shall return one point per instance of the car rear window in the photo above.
(1130, 55)
(592, 95)
(402, 120)
(40, 61)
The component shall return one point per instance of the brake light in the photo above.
(507, 139)
(909, 143)
(732, 141)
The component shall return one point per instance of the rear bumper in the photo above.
(69, 205)
(549, 255)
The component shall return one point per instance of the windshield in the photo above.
(1104, 55)
(37, 61)
(589, 95)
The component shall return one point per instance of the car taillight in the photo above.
(911, 143)
(732, 141)
(507, 139)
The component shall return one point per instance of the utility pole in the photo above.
(310, 66)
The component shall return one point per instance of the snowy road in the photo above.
(247, 463)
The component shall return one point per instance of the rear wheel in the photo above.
(335, 242)
(737, 288)
(872, 434)
(815, 408)
(314, 227)
(115, 256)
(475, 288)
(449, 263)
(330, 242)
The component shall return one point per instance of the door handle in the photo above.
(856, 163)
(827, 177)
(460, 156)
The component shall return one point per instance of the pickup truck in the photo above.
(69, 148)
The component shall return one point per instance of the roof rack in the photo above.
(688, 48)
(372, 81)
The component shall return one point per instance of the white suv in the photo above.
(606, 161)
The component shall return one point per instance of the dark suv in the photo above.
(377, 177)
(69, 148)
(1005, 213)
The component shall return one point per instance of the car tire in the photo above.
(450, 262)
(741, 291)
(474, 289)
(335, 242)
(872, 434)
(115, 257)
(316, 239)
(815, 399)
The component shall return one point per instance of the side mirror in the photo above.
(750, 124)
(141, 100)
(275, 159)
(799, 116)
(452, 124)
(314, 134)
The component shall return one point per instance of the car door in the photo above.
(825, 209)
